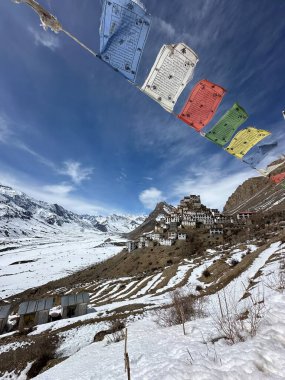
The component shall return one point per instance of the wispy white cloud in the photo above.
(212, 180)
(150, 197)
(62, 194)
(45, 38)
(122, 177)
(214, 191)
(164, 27)
(70, 168)
(5, 131)
(59, 189)
(76, 171)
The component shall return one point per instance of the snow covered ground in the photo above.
(158, 353)
(33, 262)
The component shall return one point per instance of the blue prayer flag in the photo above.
(258, 154)
(123, 33)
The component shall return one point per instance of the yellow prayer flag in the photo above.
(245, 140)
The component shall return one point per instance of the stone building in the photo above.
(34, 312)
(182, 236)
(132, 245)
(4, 313)
(74, 305)
(166, 242)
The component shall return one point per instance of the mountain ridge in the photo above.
(258, 194)
(22, 215)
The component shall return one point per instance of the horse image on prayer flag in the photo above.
(202, 104)
(172, 71)
(223, 131)
(123, 33)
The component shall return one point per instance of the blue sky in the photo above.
(74, 132)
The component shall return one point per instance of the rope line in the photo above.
(49, 21)
(81, 44)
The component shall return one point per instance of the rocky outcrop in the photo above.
(161, 209)
(257, 194)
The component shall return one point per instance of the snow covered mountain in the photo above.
(116, 223)
(21, 215)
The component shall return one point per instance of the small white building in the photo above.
(216, 231)
(166, 242)
(189, 218)
(244, 215)
(182, 236)
(141, 244)
(189, 213)
(188, 223)
(215, 212)
(175, 219)
(149, 243)
(156, 237)
(142, 239)
(132, 245)
(223, 219)
(172, 235)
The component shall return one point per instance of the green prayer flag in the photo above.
(225, 128)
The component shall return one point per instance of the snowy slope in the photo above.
(165, 353)
(158, 353)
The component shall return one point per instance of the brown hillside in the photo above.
(257, 194)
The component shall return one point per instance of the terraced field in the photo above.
(215, 270)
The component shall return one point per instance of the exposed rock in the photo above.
(148, 225)
(258, 194)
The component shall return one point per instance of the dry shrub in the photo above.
(183, 307)
(116, 331)
(235, 323)
(276, 281)
(234, 262)
(206, 273)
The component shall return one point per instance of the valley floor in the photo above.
(32, 262)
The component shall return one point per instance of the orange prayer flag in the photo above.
(202, 104)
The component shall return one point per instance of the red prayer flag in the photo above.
(278, 177)
(202, 104)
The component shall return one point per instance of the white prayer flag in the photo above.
(270, 169)
(172, 71)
